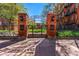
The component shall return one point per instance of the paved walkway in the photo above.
(46, 48)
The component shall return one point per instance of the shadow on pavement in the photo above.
(46, 48)
(10, 42)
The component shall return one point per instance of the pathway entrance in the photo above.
(36, 28)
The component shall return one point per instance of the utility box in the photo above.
(51, 25)
(22, 24)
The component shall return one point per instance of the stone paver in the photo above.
(67, 48)
(39, 47)
(21, 48)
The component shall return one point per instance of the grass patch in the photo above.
(37, 30)
(7, 31)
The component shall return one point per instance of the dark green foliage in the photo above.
(67, 33)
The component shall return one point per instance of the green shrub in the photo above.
(76, 33)
(68, 34)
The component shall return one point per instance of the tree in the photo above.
(47, 8)
(9, 11)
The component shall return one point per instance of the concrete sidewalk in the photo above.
(46, 48)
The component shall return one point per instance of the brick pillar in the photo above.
(22, 25)
(51, 25)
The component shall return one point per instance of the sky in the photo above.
(34, 8)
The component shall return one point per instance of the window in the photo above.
(52, 18)
(74, 10)
(67, 13)
(66, 5)
(78, 25)
(21, 18)
(76, 5)
(21, 27)
(51, 27)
